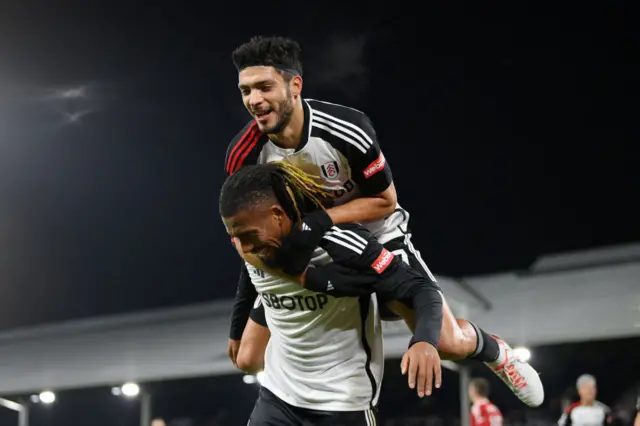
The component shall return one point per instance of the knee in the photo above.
(457, 341)
(249, 359)
(451, 344)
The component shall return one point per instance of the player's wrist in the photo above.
(428, 341)
(235, 333)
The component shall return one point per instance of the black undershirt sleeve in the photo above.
(245, 297)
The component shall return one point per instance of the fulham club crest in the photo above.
(330, 170)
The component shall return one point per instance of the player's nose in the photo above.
(255, 98)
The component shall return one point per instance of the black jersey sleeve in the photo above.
(257, 313)
(243, 149)
(361, 266)
(370, 169)
(352, 133)
(245, 297)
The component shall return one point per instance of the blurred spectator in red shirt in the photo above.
(483, 411)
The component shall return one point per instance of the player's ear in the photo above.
(295, 86)
(278, 213)
(281, 217)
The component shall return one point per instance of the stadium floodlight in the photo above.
(522, 353)
(132, 390)
(129, 389)
(249, 379)
(47, 397)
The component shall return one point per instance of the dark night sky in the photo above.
(509, 131)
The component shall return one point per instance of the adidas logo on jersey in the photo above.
(305, 227)
(330, 286)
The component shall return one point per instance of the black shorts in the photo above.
(403, 247)
(272, 411)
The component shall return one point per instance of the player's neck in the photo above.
(291, 135)
(475, 401)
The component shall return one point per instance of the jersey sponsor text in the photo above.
(383, 261)
(376, 166)
(295, 303)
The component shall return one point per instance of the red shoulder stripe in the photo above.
(244, 142)
(247, 150)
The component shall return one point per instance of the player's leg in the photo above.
(460, 338)
(254, 341)
(269, 410)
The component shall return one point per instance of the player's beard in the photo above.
(284, 111)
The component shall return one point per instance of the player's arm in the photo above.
(245, 296)
(363, 266)
(254, 341)
(372, 174)
(377, 198)
(235, 158)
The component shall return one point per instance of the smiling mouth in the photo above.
(262, 114)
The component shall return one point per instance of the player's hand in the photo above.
(298, 246)
(422, 363)
(232, 350)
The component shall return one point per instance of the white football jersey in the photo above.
(339, 148)
(325, 353)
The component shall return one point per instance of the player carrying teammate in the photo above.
(324, 359)
(338, 144)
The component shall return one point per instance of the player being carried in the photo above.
(338, 145)
(324, 359)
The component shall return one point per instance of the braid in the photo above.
(296, 191)
(303, 189)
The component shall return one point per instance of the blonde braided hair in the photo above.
(301, 185)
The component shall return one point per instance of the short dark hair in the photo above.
(279, 52)
(481, 386)
(296, 191)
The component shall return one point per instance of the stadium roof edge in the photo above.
(220, 307)
(605, 256)
(601, 256)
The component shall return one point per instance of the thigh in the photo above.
(404, 248)
(271, 411)
(346, 418)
